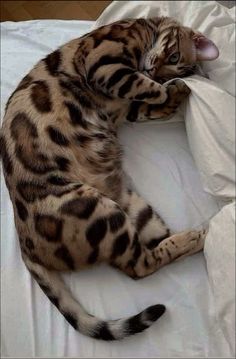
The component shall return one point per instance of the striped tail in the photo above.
(55, 289)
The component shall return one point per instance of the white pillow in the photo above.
(210, 125)
(220, 255)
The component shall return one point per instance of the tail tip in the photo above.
(154, 312)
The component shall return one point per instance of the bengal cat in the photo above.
(62, 159)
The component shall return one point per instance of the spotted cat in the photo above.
(62, 159)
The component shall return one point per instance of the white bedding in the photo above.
(159, 161)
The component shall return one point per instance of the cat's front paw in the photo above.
(178, 88)
(177, 91)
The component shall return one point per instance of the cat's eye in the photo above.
(174, 58)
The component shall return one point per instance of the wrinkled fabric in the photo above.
(210, 124)
(220, 254)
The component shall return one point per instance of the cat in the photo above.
(62, 159)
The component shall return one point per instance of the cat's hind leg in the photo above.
(154, 246)
(168, 250)
(75, 228)
(80, 227)
(148, 224)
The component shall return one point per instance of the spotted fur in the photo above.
(62, 161)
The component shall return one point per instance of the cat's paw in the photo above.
(177, 92)
(190, 242)
(178, 87)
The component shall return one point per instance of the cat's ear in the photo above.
(205, 48)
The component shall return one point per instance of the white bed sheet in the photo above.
(163, 171)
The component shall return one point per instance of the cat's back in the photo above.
(52, 121)
(33, 113)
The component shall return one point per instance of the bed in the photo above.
(185, 169)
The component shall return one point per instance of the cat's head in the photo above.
(176, 50)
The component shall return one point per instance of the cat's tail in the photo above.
(55, 289)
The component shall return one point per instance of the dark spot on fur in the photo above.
(49, 227)
(25, 133)
(81, 207)
(47, 290)
(58, 181)
(75, 88)
(54, 301)
(63, 163)
(143, 217)
(34, 161)
(133, 111)
(137, 53)
(116, 221)
(137, 248)
(53, 62)
(31, 191)
(129, 55)
(113, 36)
(82, 139)
(146, 94)
(96, 231)
(22, 126)
(146, 264)
(21, 210)
(108, 60)
(57, 137)
(99, 136)
(127, 85)
(93, 256)
(154, 242)
(154, 312)
(120, 245)
(140, 82)
(35, 259)
(29, 243)
(169, 254)
(63, 254)
(102, 332)
(71, 320)
(76, 115)
(40, 96)
(102, 116)
(7, 163)
(25, 82)
(118, 75)
(135, 325)
(101, 80)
